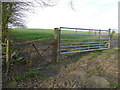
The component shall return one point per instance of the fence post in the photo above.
(55, 46)
(99, 37)
(7, 55)
(99, 33)
(109, 38)
(95, 32)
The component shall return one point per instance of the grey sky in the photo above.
(100, 14)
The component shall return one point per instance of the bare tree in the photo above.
(72, 5)
(51, 3)
(47, 3)
(12, 14)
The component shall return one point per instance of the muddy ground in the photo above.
(82, 70)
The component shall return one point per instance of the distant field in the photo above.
(20, 35)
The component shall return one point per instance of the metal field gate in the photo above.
(73, 40)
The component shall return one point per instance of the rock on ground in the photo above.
(99, 82)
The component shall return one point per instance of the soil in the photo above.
(96, 69)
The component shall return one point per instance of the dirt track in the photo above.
(94, 70)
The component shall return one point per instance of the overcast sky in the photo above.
(95, 14)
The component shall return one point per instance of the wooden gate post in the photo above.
(55, 46)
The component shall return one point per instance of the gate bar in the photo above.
(88, 34)
(81, 45)
(88, 39)
(83, 42)
(83, 29)
(83, 51)
(79, 48)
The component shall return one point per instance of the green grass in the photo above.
(29, 74)
(80, 36)
(32, 74)
(99, 56)
(20, 35)
(14, 47)
(114, 85)
(18, 78)
(23, 35)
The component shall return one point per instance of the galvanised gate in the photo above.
(73, 40)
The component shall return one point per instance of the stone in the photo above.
(20, 58)
(99, 82)
(80, 73)
(14, 55)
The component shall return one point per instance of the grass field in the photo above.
(24, 35)
(20, 35)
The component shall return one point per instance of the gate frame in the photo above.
(108, 41)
